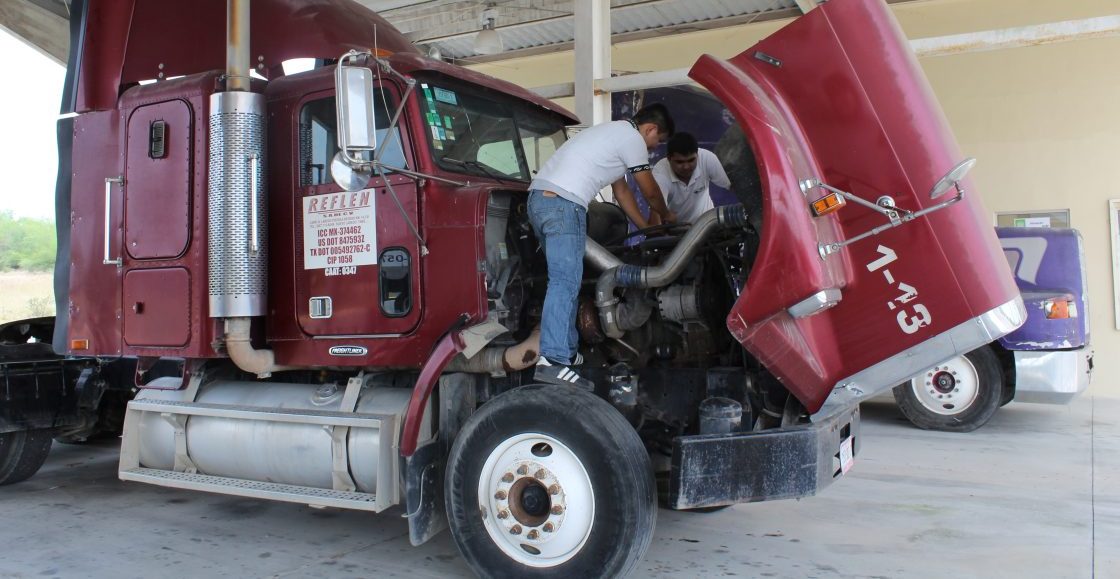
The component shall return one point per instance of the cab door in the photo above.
(357, 268)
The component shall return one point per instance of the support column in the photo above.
(593, 59)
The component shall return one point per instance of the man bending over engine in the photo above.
(558, 199)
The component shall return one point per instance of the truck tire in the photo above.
(960, 395)
(550, 481)
(22, 453)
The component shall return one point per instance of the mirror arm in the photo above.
(421, 176)
(827, 249)
(392, 135)
(384, 65)
(942, 205)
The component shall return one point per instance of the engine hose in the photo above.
(634, 276)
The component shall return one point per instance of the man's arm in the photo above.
(625, 199)
(652, 192)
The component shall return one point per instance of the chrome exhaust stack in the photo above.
(237, 199)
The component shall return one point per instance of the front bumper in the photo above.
(724, 469)
(1052, 377)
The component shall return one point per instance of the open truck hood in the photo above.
(838, 96)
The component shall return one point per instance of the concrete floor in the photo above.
(1036, 493)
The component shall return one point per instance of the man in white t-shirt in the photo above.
(684, 175)
(596, 157)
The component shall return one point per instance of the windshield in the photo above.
(473, 134)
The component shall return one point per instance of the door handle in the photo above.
(254, 169)
(108, 213)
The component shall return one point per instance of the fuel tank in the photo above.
(261, 450)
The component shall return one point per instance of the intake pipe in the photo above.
(497, 359)
(633, 276)
(598, 257)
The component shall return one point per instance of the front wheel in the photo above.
(959, 395)
(550, 481)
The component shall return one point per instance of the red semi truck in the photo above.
(339, 265)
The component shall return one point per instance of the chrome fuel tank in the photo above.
(270, 451)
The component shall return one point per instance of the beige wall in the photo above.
(1044, 121)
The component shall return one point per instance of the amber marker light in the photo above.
(79, 345)
(828, 204)
(1059, 309)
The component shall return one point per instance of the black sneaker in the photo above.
(550, 373)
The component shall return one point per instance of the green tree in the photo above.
(26, 244)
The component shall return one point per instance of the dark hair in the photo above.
(682, 143)
(656, 114)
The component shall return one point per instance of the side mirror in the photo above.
(951, 178)
(356, 126)
(354, 100)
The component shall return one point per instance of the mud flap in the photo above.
(423, 489)
(725, 469)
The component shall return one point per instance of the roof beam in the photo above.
(1042, 34)
(1054, 32)
(806, 5)
(38, 27)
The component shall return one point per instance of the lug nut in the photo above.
(522, 470)
(503, 514)
(515, 530)
(557, 509)
(508, 477)
(548, 528)
(540, 474)
(554, 490)
(533, 535)
(500, 495)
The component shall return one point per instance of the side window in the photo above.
(318, 138)
(539, 139)
(539, 148)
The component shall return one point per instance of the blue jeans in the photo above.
(561, 227)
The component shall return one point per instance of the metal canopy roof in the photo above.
(451, 25)
(525, 26)
(536, 26)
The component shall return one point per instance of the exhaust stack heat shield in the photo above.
(238, 226)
